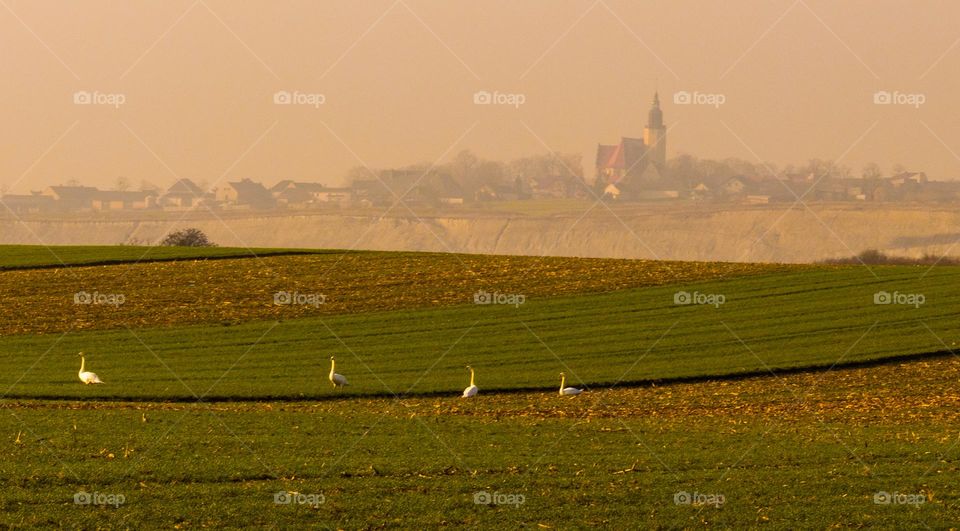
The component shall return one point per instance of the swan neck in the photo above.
(563, 380)
(82, 362)
(471, 377)
(333, 365)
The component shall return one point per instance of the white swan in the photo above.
(473, 389)
(87, 377)
(338, 380)
(567, 391)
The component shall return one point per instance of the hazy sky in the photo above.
(196, 80)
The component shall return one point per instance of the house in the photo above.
(611, 191)
(33, 203)
(734, 186)
(333, 195)
(304, 194)
(554, 186)
(701, 191)
(908, 178)
(72, 198)
(123, 200)
(830, 190)
(183, 194)
(245, 194)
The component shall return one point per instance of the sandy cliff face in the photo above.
(748, 234)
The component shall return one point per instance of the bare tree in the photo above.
(871, 171)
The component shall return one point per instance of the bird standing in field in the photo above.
(567, 391)
(87, 377)
(472, 390)
(338, 380)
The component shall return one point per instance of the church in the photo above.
(635, 168)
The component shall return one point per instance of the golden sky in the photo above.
(187, 88)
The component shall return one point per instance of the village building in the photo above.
(72, 198)
(33, 203)
(123, 200)
(245, 194)
(183, 194)
(636, 167)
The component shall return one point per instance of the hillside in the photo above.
(651, 231)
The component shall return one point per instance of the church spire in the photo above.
(655, 116)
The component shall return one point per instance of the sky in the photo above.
(216, 90)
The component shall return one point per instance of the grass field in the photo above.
(217, 399)
(39, 256)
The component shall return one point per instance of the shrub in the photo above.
(187, 238)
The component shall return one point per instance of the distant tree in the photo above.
(898, 168)
(463, 168)
(122, 184)
(358, 173)
(871, 171)
(73, 182)
(187, 238)
(147, 186)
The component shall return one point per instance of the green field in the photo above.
(34, 256)
(202, 420)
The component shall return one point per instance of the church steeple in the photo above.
(655, 134)
(655, 116)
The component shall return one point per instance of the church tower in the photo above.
(655, 134)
